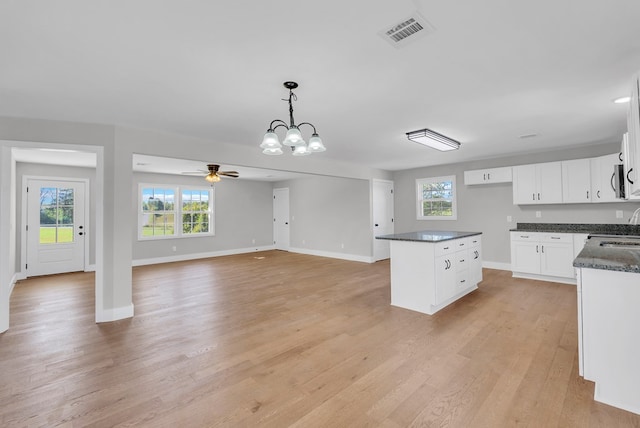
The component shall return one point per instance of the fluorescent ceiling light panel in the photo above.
(434, 140)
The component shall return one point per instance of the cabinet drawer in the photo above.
(475, 241)
(525, 236)
(446, 247)
(462, 280)
(556, 237)
(461, 260)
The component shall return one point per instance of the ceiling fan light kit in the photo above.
(433, 139)
(271, 143)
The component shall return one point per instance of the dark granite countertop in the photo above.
(428, 236)
(602, 252)
(608, 229)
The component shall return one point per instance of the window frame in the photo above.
(177, 212)
(419, 197)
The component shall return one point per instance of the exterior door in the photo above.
(281, 219)
(55, 227)
(382, 199)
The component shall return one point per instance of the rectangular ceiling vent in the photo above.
(407, 31)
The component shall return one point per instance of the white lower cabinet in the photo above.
(426, 277)
(543, 256)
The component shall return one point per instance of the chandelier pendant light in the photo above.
(271, 143)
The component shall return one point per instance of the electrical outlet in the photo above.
(342, 245)
(538, 214)
(174, 248)
(509, 219)
(253, 241)
(619, 214)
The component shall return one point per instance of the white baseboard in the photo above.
(548, 278)
(496, 265)
(108, 315)
(195, 256)
(342, 256)
(90, 268)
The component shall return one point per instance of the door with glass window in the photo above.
(55, 227)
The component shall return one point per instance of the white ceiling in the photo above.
(489, 73)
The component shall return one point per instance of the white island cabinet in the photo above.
(432, 269)
(609, 321)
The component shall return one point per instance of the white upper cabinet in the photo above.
(537, 184)
(602, 178)
(576, 181)
(488, 176)
(633, 130)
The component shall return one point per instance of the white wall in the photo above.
(485, 208)
(330, 215)
(243, 213)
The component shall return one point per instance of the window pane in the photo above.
(65, 234)
(48, 215)
(48, 235)
(65, 197)
(65, 215)
(147, 197)
(48, 196)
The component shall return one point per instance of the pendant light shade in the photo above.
(301, 150)
(271, 144)
(270, 141)
(294, 137)
(315, 144)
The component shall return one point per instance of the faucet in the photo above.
(635, 217)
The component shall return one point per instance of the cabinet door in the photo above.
(499, 175)
(475, 264)
(445, 278)
(633, 136)
(524, 184)
(602, 185)
(557, 259)
(475, 177)
(525, 256)
(576, 180)
(549, 182)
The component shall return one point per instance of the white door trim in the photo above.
(24, 219)
(278, 245)
(376, 256)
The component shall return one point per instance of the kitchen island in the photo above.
(608, 291)
(431, 269)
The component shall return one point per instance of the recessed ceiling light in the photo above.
(528, 136)
(622, 100)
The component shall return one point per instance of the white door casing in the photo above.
(281, 219)
(382, 201)
(55, 226)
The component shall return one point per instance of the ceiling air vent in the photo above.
(407, 31)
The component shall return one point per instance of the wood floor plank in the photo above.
(274, 339)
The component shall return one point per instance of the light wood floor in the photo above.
(276, 339)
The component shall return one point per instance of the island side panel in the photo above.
(611, 332)
(412, 275)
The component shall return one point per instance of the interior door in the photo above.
(55, 227)
(281, 219)
(382, 199)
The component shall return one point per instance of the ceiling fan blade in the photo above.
(233, 174)
(193, 172)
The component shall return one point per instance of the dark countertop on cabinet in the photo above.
(596, 256)
(608, 229)
(428, 236)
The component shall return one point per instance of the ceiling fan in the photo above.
(213, 173)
